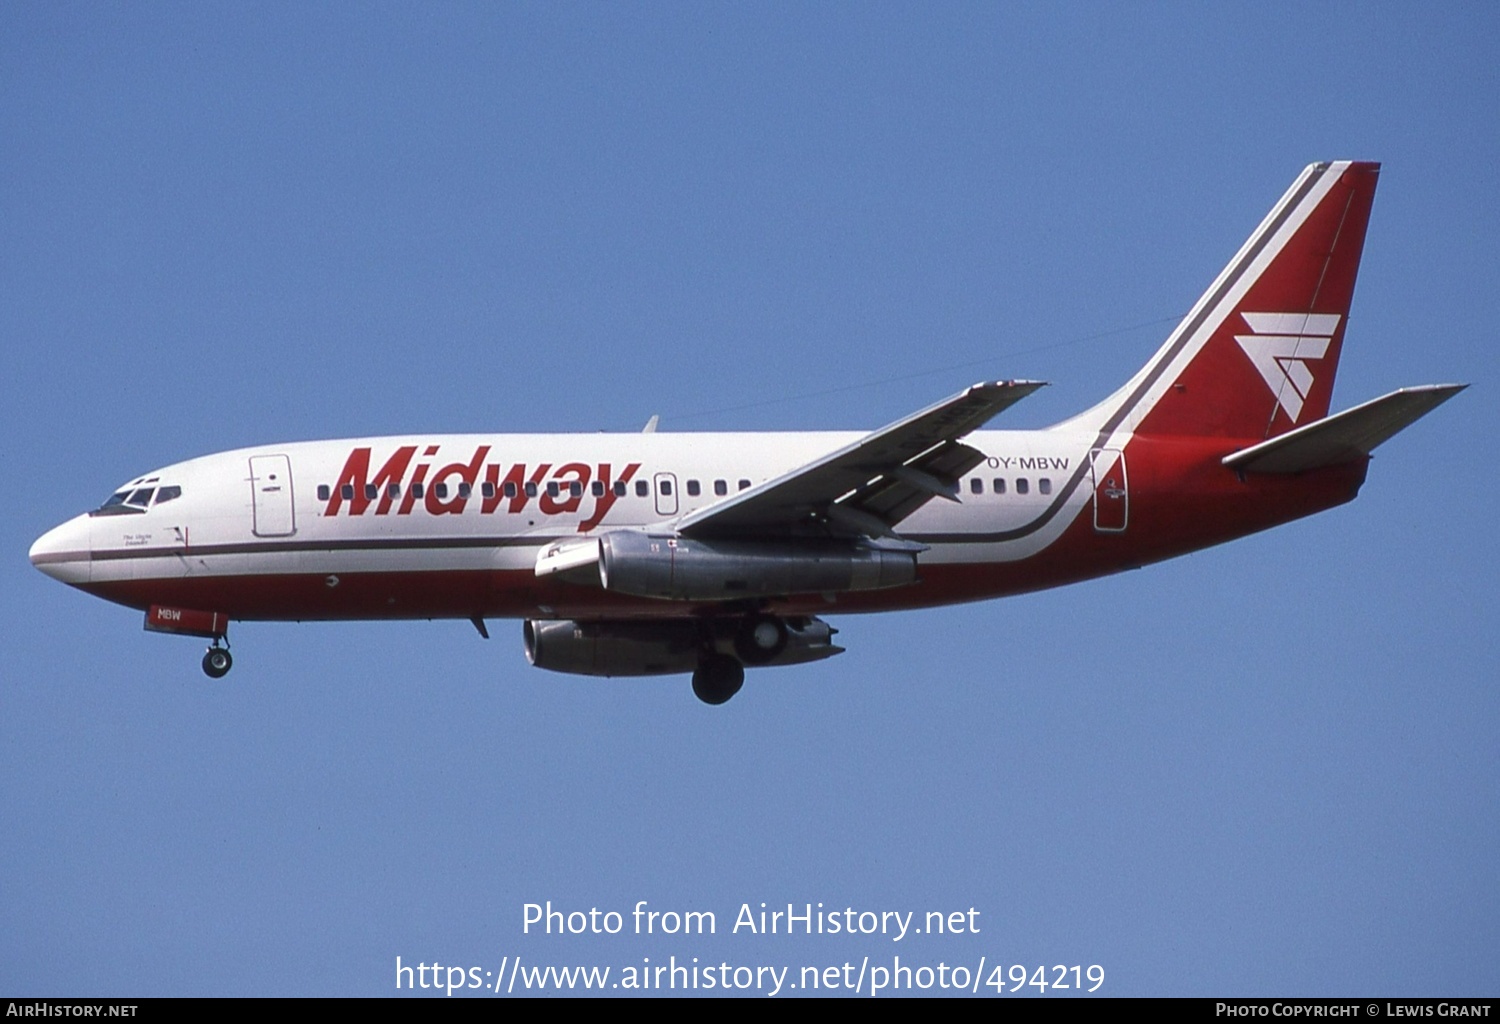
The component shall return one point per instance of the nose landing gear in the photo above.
(217, 662)
(213, 626)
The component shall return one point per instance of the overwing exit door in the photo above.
(666, 494)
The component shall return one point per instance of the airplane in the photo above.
(659, 553)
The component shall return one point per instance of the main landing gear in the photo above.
(717, 678)
(757, 640)
(217, 662)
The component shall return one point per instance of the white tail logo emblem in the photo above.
(1280, 347)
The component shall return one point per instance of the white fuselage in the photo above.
(445, 508)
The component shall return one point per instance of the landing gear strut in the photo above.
(718, 678)
(217, 662)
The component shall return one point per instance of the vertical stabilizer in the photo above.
(1257, 354)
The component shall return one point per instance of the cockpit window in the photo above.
(135, 500)
(115, 506)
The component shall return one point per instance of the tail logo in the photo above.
(1280, 349)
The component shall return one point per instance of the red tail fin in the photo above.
(1257, 354)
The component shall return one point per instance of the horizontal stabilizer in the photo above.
(1346, 437)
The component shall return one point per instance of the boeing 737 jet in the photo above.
(704, 553)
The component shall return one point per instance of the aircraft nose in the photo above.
(63, 552)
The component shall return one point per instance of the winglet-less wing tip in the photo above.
(1027, 386)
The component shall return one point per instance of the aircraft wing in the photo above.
(871, 485)
(1349, 435)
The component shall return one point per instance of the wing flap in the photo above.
(934, 474)
(866, 476)
(1350, 435)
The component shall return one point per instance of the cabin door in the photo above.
(271, 491)
(1111, 490)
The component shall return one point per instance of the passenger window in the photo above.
(575, 489)
(976, 486)
(744, 485)
(693, 488)
(323, 492)
(530, 489)
(417, 490)
(487, 489)
(1021, 485)
(552, 489)
(619, 488)
(441, 490)
(666, 487)
(721, 487)
(598, 488)
(464, 490)
(999, 484)
(1044, 485)
(168, 493)
(641, 488)
(347, 492)
(510, 488)
(393, 490)
(371, 492)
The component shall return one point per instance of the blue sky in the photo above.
(1268, 768)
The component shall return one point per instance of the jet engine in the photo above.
(683, 569)
(646, 647)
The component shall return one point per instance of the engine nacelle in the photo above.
(646, 647)
(686, 569)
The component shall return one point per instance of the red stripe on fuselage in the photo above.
(1181, 500)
